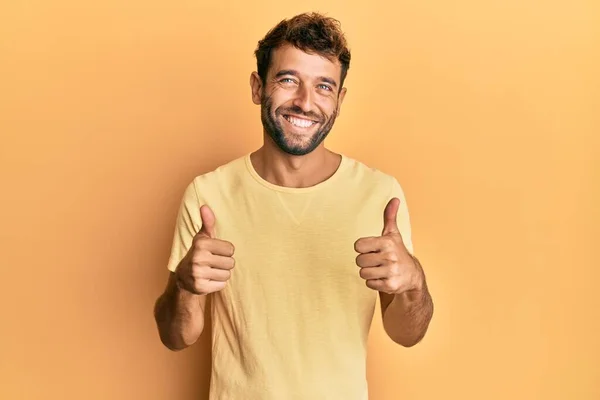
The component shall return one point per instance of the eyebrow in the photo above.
(295, 73)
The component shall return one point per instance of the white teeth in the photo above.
(302, 123)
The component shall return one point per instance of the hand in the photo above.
(384, 261)
(207, 266)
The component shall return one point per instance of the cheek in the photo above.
(279, 100)
(327, 106)
(281, 93)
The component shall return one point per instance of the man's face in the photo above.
(300, 99)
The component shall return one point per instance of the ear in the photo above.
(341, 96)
(256, 86)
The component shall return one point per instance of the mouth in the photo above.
(300, 123)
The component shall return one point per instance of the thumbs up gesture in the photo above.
(207, 266)
(384, 261)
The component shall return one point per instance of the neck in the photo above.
(282, 169)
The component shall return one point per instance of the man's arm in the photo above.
(406, 316)
(205, 269)
(179, 315)
(388, 266)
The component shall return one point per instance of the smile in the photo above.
(299, 122)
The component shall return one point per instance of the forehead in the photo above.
(288, 57)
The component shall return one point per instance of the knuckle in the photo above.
(200, 256)
(198, 287)
(198, 272)
(196, 260)
(392, 256)
(200, 242)
(193, 273)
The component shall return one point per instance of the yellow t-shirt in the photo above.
(293, 321)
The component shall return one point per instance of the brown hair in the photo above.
(309, 32)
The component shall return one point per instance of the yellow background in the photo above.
(486, 111)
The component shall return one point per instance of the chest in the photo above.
(283, 254)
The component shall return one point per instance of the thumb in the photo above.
(208, 221)
(389, 216)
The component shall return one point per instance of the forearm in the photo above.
(179, 316)
(406, 316)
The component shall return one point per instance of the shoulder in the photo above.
(370, 177)
(213, 183)
(221, 175)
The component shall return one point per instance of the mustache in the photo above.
(298, 111)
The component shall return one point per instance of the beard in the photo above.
(291, 143)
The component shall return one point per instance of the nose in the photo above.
(303, 98)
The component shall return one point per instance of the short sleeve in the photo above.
(187, 224)
(403, 217)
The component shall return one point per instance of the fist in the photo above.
(207, 266)
(385, 263)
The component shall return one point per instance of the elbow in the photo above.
(172, 344)
(406, 341)
(172, 336)
(408, 337)
(176, 340)
(409, 342)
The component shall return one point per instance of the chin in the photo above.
(297, 151)
(298, 147)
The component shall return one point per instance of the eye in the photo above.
(287, 80)
(325, 87)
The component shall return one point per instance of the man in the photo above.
(293, 242)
